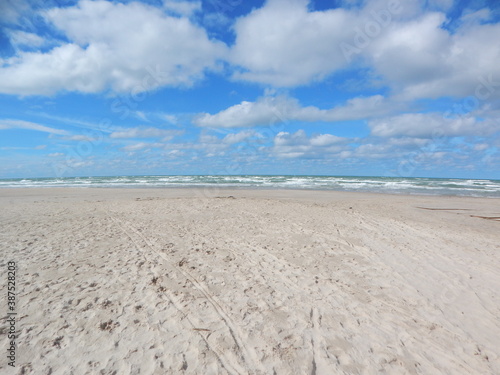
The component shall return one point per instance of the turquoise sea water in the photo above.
(394, 185)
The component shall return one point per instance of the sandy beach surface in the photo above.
(166, 281)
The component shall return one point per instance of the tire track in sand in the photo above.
(253, 365)
(232, 368)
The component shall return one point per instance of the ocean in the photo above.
(392, 185)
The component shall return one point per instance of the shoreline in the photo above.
(214, 189)
(480, 188)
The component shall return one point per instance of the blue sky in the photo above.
(348, 87)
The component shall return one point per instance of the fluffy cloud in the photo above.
(234, 138)
(265, 111)
(298, 144)
(420, 59)
(134, 47)
(283, 44)
(286, 44)
(269, 110)
(123, 47)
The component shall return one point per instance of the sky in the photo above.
(401, 88)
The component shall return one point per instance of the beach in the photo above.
(241, 281)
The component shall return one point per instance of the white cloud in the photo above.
(284, 44)
(474, 17)
(23, 38)
(183, 8)
(265, 111)
(419, 59)
(209, 145)
(300, 138)
(56, 154)
(142, 132)
(325, 140)
(269, 110)
(12, 10)
(441, 4)
(82, 164)
(175, 153)
(431, 125)
(81, 138)
(141, 146)
(20, 124)
(141, 115)
(216, 20)
(123, 47)
(102, 126)
(481, 147)
(374, 151)
(355, 109)
(134, 47)
(170, 118)
(298, 144)
(408, 142)
(237, 137)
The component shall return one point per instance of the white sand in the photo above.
(268, 282)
